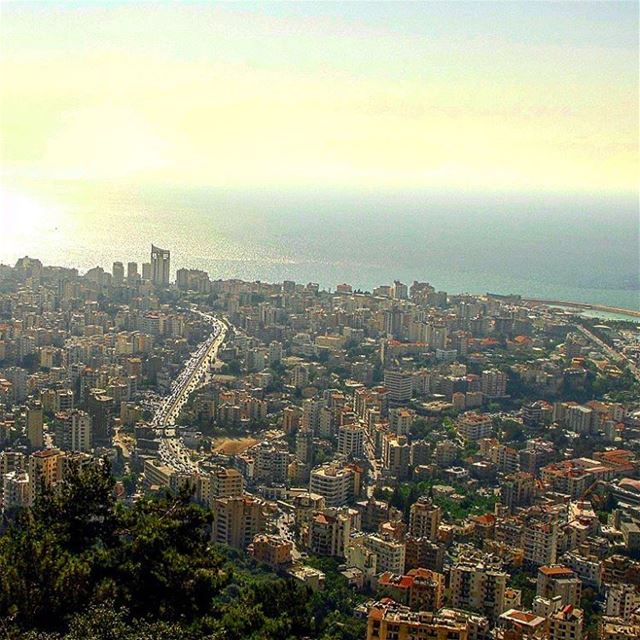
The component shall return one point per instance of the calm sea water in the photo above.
(584, 248)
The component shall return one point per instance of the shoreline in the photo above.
(584, 305)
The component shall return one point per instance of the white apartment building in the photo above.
(390, 554)
(351, 440)
(334, 483)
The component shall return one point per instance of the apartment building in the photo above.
(474, 426)
(334, 483)
(566, 624)
(559, 581)
(351, 440)
(329, 533)
(271, 550)
(424, 519)
(390, 554)
(388, 620)
(419, 589)
(478, 587)
(237, 520)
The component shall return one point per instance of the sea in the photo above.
(575, 247)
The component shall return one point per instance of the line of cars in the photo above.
(172, 451)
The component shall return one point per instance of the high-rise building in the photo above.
(423, 552)
(304, 446)
(395, 455)
(351, 440)
(288, 286)
(16, 490)
(45, 469)
(393, 319)
(12, 461)
(578, 418)
(424, 520)
(399, 290)
(390, 554)
(329, 533)
(517, 490)
(399, 385)
(221, 482)
(81, 431)
(118, 273)
(271, 462)
(99, 407)
(478, 587)
(400, 420)
(541, 542)
(132, 273)
(474, 426)
(35, 425)
(237, 520)
(63, 400)
(493, 383)
(334, 483)
(160, 266)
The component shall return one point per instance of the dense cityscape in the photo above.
(276, 460)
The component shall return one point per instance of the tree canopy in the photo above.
(78, 564)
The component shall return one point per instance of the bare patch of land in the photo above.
(233, 446)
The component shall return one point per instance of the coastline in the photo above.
(584, 305)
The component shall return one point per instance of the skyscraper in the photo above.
(118, 273)
(132, 272)
(160, 260)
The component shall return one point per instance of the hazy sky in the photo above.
(517, 95)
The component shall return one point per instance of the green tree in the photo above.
(80, 565)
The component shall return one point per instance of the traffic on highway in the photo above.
(172, 451)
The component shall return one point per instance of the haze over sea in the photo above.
(553, 246)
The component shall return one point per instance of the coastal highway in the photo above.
(617, 357)
(192, 374)
(610, 351)
(583, 305)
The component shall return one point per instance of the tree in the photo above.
(80, 565)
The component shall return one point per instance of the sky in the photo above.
(525, 96)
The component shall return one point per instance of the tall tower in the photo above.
(132, 272)
(35, 425)
(160, 259)
(118, 273)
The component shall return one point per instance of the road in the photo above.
(583, 305)
(283, 527)
(374, 472)
(189, 378)
(172, 451)
(610, 351)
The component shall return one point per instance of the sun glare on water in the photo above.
(21, 218)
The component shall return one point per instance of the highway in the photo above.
(172, 451)
(374, 472)
(610, 351)
(190, 377)
(632, 313)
